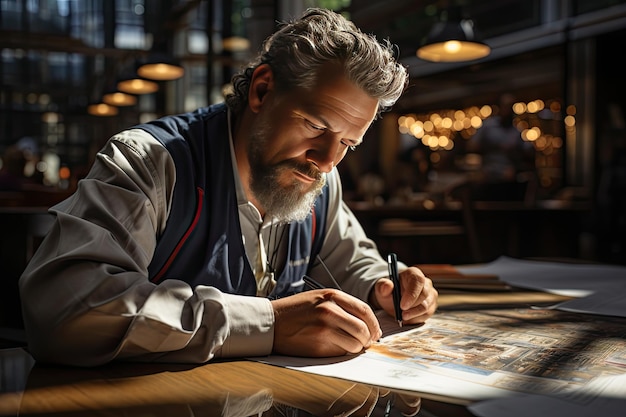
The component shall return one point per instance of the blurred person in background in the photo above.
(507, 160)
(12, 176)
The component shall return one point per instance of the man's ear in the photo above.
(261, 83)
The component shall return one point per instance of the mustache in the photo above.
(308, 169)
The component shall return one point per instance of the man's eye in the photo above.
(351, 147)
(314, 126)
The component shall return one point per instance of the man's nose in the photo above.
(325, 152)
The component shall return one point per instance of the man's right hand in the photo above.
(325, 322)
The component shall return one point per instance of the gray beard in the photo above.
(288, 203)
(284, 204)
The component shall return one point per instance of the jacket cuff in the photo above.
(251, 327)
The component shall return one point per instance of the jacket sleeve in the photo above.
(348, 252)
(86, 296)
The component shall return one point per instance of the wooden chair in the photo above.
(450, 215)
(23, 229)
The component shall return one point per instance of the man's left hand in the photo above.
(419, 297)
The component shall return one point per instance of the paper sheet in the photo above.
(466, 356)
(601, 289)
(514, 362)
(608, 401)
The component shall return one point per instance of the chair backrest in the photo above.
(451, 214)
(463, 193)
(23, 229)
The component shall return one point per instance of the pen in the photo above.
(311, 283)
(316, 285)
(392, 262)
(330, 275)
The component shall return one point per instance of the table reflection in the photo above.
(233, 388)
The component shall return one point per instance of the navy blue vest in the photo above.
(202, 241)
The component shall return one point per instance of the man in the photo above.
(189, 238)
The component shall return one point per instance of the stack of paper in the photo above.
(448, 277)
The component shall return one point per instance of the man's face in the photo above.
(299, 136)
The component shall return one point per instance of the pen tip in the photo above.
(400, 323)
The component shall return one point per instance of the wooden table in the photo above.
(230, 388)
(220, 388)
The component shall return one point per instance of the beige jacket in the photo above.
(86, 295)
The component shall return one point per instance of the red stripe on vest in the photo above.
(313, 226)
(182, 241)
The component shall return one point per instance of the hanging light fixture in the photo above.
(160, 64)
(137, 85)
(102, 109)
(118, 98)
(235, 43)
(160, 67)
(453, 39)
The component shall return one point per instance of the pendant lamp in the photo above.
(137, 85)
(160, 64)
(118, 98)
(160, 67)
(235, 44)
(453, 39)
(102, 109)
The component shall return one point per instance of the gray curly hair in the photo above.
(298, 49)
